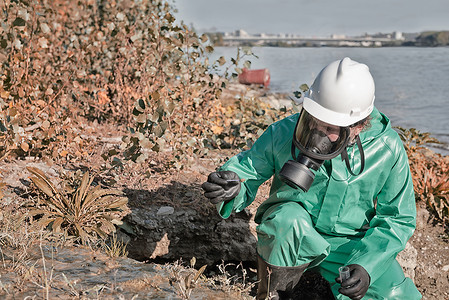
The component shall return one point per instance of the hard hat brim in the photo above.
(333, 117)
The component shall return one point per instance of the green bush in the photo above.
(127, 63)
(96, 59)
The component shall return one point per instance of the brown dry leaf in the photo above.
(24, 146)
(4, 94)
(41, 103)
(103, 98)
(57, 224)
(43, 185)
(217, 129)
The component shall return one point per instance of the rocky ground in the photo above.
(170, 223)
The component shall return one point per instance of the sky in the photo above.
(315, 17)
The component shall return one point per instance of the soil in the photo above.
(431, 240)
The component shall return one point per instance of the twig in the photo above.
(45, 270)
(3, 258)
(28, 50)
(73, 290)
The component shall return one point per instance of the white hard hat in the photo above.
(342, 93)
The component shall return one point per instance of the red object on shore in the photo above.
(260, 76)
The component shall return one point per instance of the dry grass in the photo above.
(113, 247)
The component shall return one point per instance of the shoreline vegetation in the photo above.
(108, 109)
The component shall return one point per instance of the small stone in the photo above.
(165, 211)
(445, 268)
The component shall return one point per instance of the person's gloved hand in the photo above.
(221, 186)
(357, 284)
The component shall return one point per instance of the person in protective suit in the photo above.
(341, 194)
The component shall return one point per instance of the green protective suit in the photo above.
(342, 219)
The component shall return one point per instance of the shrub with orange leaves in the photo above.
(430, 171)
(63, 63)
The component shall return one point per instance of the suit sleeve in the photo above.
(255, 166)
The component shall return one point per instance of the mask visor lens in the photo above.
(318, 139)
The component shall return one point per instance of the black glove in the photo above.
(221, 186)
(357, 284)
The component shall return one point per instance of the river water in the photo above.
(412, 84)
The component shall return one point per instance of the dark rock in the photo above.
(186, 233)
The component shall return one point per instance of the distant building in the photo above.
(397, 35)
(338, 36)
(241, 33)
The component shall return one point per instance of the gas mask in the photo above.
(317, 141)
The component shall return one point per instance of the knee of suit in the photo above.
(288, 215)
(286, 237)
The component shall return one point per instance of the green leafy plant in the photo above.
(79, 210)
(66, 63)
(118, 62)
